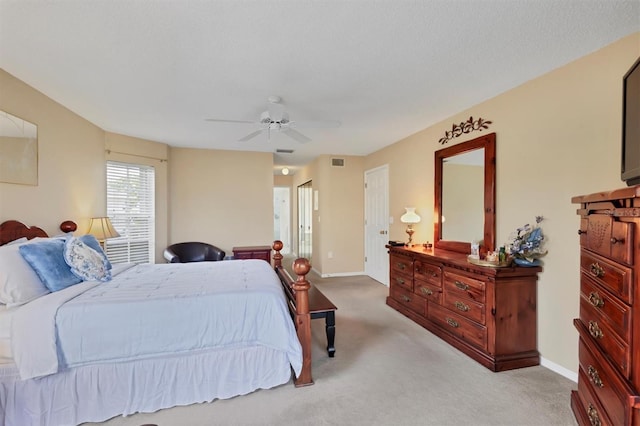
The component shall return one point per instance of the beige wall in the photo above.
(556, 136)
(71, 167)
(338, 224)
(221, 197)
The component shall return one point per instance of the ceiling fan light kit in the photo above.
(276, 119)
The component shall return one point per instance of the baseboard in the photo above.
(559, 369)
(338, 274)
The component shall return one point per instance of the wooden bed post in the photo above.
(297, 293)
(277, 258)
(301, 268)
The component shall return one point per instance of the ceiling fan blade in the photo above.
(228, 121)
(294, 134)
(326, 124)
(250, 135)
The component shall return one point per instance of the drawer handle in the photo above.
(594, 418)
(594, 330)
(453, 323)
(595, 377)
(400, 281)
(596, 300)
(614, 240)
(461, 306)
(461, 285)
(401, 266)
(597, 270)
(426, 291)
(580, 232)
(406, 299)
(434, 274)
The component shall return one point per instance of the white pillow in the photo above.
(19, 283)
(18, 241)
(86, 263)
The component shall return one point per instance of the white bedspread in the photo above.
(156, 310)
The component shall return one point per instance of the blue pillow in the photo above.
(92, 242)
(47, 260)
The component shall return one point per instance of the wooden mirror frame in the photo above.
(488, 142)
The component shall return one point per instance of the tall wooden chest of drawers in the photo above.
(609, 322)
(487, 313)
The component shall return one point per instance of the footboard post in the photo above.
(301, 286)
(277, 257)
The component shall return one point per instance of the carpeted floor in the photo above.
(387, 371)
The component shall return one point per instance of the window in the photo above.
(131, 207)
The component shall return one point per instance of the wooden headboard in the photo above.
(11, 230)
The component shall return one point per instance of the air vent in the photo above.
(284, 151)
(337, 162)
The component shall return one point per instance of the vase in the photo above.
(526, 263)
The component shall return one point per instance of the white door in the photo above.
(376, 224)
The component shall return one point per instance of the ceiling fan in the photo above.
(276, 119)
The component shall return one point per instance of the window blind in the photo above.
(131, 208)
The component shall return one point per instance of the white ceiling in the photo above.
(384, 68)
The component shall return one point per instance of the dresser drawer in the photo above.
(411, 300)
(616, 349)
(609, 308)
(428, 272)
(428, 291)
(463, 306)
(401, 264)
(604, 383)
(591, 404)
(607, 236)
(610, 275)
(468, 330)
(399, 279)
(462, 286)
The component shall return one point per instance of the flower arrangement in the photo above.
(527, 243)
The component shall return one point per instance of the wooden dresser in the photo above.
(487, 313)
(609, 323)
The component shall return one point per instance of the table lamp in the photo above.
(410, 217)
(102, 229)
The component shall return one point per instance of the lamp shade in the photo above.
(410, 216)
(102, 229)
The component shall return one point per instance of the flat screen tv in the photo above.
(630, 171)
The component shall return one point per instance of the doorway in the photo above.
(305, 220)
(282, 217)
(376, 224)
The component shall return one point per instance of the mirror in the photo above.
(464, 194)
(18, 150)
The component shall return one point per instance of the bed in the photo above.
(149, 337)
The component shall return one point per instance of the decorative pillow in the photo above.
(92, 242)
(47, 259)
(85, 262)
(19, 283)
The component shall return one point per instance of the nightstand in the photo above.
(253, 252)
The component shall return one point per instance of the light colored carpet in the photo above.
(387, 371)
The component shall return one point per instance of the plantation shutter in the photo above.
(131, 208)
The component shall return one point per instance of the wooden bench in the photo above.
(305, 303)
(321, 307)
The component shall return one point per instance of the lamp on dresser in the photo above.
(410, 217)
(102, 229)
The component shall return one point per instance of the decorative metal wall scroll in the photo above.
(465, 127)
